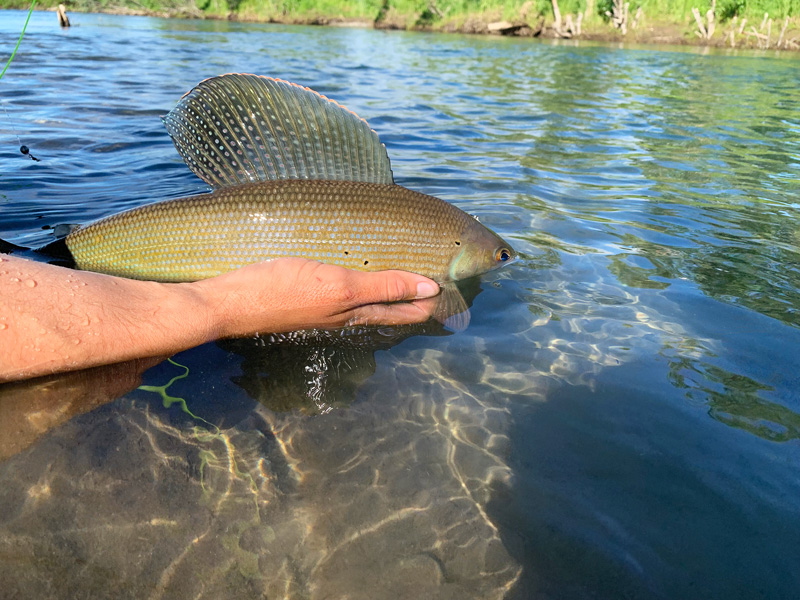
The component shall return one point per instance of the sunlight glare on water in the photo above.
(620, 419)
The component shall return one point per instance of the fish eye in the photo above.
(502, 255)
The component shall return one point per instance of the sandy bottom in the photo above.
(385, 498)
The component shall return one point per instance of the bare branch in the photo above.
(619, 16)
(732, 33)
(783, 30)
(700, 25)
(769, 32)
(637, 17)
(557, 15)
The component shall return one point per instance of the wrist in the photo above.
(205, 313)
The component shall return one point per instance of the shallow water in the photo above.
(619, 420)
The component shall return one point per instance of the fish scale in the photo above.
(363, 226)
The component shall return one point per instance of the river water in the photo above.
(620, 420)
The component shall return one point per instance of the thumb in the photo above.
(380, 287)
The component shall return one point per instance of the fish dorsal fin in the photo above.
(235, 129)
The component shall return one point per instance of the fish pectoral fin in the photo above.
(239, 128)
(452, 310)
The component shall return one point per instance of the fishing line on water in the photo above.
(22, 147)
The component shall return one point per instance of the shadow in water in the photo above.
(315, 371)
(382, 497)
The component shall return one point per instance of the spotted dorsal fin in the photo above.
(235, 129)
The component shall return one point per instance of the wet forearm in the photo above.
(54, 319)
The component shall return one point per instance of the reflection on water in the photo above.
(623, 404)
(29, 409)
(734, 400)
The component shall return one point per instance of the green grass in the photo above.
(752, 9)
(420, 12)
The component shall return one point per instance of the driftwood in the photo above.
(637, 17)
(707, 28)
(569, 27)
(63, 19)
(508, 28)
(731, 35)
(764, 40)
(699, 21)
(556, 16)
(619, 15)
(783, 30)
(761, 39)
(521, 26)
(499, 27)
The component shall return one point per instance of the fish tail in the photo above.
(9, 248)
(57, 251)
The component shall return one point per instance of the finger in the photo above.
(381, 287)
(404, 313)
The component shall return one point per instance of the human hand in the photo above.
(68, 320)
(288, 294)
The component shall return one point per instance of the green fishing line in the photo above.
(207, 456)
(19, 41)
(170, 400)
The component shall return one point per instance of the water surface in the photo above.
(619, 420)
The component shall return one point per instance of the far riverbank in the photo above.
(598, 20)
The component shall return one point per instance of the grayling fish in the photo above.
(295, 174)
